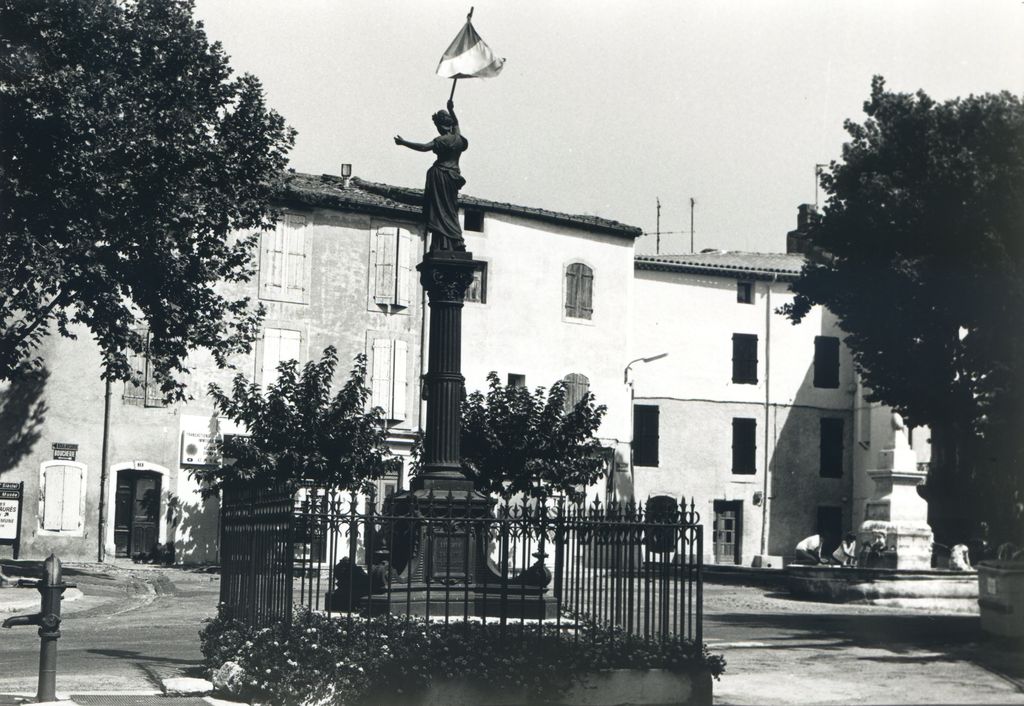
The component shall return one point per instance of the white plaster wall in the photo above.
(522, 327)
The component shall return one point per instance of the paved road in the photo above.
(129, 630)
(784, 651)
(134, 627)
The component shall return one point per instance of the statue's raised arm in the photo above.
(441, 192)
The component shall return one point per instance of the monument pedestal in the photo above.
(897, 515)
(438, 547)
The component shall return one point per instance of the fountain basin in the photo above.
(926, 589)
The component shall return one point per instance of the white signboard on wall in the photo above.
(9, 519)
(197, 448)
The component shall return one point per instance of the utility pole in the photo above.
(692, 203)
(657, 240)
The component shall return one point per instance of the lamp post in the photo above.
(629, 382)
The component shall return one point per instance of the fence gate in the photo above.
(256, 553)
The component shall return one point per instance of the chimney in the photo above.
(806, 218)
(346, 175)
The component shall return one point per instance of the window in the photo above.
(516, 380)
(278, 345)
(579, 291)
(745, 292)
(744, 358)
(576, 388)
(477, 290)
(142, 389)
(392, 267)
(645, 435)
(62, 496)
(826, 361)
(473, 219)
(283, 272)
(388, 384)
(744, 446)
(831, 441)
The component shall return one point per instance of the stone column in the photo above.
(445, 277)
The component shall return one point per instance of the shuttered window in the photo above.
(393, 258)
(744, 446)
(744, 358)
(63, 485)
(826, 361)
(283, 271)
(576, 388)
(278, 345)
(831, 441)
(142, 389)
(645, 435)
(579, 291)
(389, 386)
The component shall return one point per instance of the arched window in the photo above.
(579, 291)
(576, 388)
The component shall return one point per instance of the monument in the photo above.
(436, 556)
(896, 516)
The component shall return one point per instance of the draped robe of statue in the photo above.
(441, 193)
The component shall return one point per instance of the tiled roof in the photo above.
(403, 202)
(758, 265)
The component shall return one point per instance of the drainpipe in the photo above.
(767, 408)
(105, 449)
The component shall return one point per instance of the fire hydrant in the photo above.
(51, 588)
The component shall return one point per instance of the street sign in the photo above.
(64, 452)
(11, 495)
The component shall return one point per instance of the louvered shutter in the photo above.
(400, 392)
(71, 503)
(53, 499)
(380, 380)
(272, 266)
(586, 297)
(154, 395)
(135, 388)
(271, 356)
(576, 386)
(294, 247)
(404, 269)
(571, 291)
(385, 252)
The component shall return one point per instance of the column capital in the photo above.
(446, 275)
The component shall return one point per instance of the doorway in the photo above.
(830, 528)
(728, 531)
(137, 513)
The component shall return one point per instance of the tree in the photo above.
(298, 432)
(517, 441)
(129, 154)
(921, 258)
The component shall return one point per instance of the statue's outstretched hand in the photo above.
(399, 140)
(451, 105)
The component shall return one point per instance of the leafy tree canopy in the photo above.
(920, 254)
(923, 232)
(299, 432)
(129, 153)
(518, 441)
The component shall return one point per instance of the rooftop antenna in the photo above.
(657, 241)
(692, 204)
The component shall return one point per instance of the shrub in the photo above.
(343, 661)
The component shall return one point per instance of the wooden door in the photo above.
(136, 513)
(728, 517)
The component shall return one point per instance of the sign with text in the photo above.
(11, 495)
(64, 452)
(197, 448)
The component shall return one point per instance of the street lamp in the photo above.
(627, 381)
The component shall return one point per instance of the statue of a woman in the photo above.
(441, 193)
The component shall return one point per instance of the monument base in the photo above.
(901, 545)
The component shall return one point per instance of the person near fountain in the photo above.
(846, 553)
(808, 550)
(441, 192)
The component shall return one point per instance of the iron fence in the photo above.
(550, 561)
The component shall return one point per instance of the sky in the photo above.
(605, 107)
